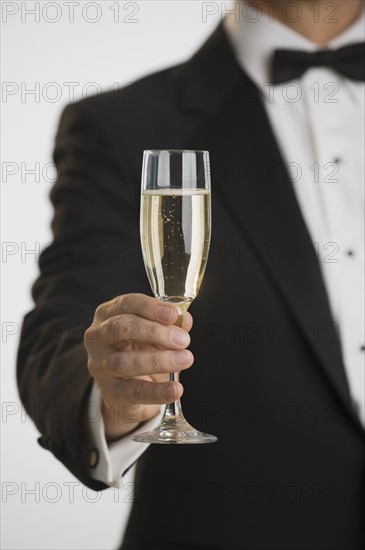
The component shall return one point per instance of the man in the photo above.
(277, 329)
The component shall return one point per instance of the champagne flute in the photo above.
(175, 230)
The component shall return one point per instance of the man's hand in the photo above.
(132, 346)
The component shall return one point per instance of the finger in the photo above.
(138, 304)
(128, 364)
(149, 393)
(129, 412)
(187, 322)
(126, 329)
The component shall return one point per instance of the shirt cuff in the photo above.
(115, 459)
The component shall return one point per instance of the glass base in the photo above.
(176, 433)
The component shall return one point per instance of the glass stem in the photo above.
(173, 411)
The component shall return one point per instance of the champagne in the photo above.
(175, 230)
(175, 236)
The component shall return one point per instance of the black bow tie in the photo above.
(291, 64)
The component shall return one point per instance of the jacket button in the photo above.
(93, 458)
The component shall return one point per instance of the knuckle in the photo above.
(121, 323)
(120, 363)
(86, 337)
(137, 295)
(155, 332)
(117, 328)
(90, 335)
(92, 366)
(124, 329)
(139, 393)
(122, 302)
(100, 310)
(156, 361)
(109, 327)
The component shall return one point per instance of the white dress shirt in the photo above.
(318, 121)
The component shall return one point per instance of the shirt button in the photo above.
(350, 253)
(93, 458)
(362, 348)
(337, 160)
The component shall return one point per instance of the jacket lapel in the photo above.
(249, 175)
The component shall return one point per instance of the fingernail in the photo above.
(165, 313)
(179, 337)
(180, 357)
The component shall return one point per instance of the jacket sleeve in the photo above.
(94, 256)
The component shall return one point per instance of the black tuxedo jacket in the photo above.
(287, 472)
